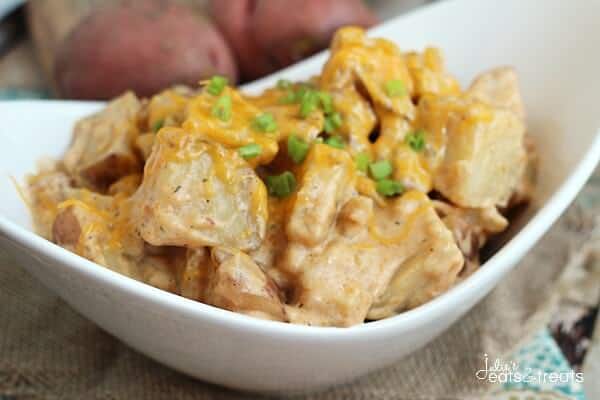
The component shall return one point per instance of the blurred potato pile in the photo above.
(95, 49)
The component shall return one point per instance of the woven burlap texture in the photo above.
(47, 351)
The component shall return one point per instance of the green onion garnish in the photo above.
(362, 160)
(284, 84)
(380, 169)
(335, 141)
(281, 185)
(250, 150)
(416, 140)
(308, 102)
(332, 122)
(326, 102)
(297, 148)
(216, 85)
(222, 108)
(264, 123)
(395, 88)
(389, 187)
(157, 125)
(288, 98)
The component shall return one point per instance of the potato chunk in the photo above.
(193, 275)
(349, 275)
(287, 113)
(372, 64)
(325, 179)
(358, 118)
(100, 229)
(45, 190)
(483, 158)
(232, 131)
(102, 147)
(97, 227)
(429, 74)
(471, 228)
(499, 87)
(196, 193)
(239, 284)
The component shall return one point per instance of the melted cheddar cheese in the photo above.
(314, 199)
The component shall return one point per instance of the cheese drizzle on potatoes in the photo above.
(358, 194)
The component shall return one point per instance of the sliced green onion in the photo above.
(288, 98)
(222, 108)
(297, 148)
(395, 88)
(335, 141)
(284, 84)
(389, 187)
(157, 125)
(380, 169)
(332, 122)
(264, 123)
(362, 160)
(416, 140)
(326, 102)
(308, 102)
(250, 150)
(281, 185)
(216, 85)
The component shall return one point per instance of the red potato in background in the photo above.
(270, 34)
(144, 46)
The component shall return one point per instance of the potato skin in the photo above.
(144, 46)
(271, 34)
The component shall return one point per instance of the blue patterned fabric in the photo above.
(542, 360)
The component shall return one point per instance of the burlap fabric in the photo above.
(47, 351)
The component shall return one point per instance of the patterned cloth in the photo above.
(542, 360)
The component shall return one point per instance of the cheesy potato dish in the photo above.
(358, 194)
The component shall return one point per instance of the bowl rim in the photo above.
(500, 262)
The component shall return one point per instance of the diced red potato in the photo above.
(484, 162)
(370, 64)
(476, 151)
(196, 193)
(499, 87)
(358, 118)
(274, 244)
(471, 228)
(87, 224)
(45, 191)
(99, 228)
(287, 116)
(238, 284)
(326, 179)
(144, 46)
(102, 147)
(429, 74)
(193, 276)
(391, 259)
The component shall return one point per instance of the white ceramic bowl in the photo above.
(552, 43)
